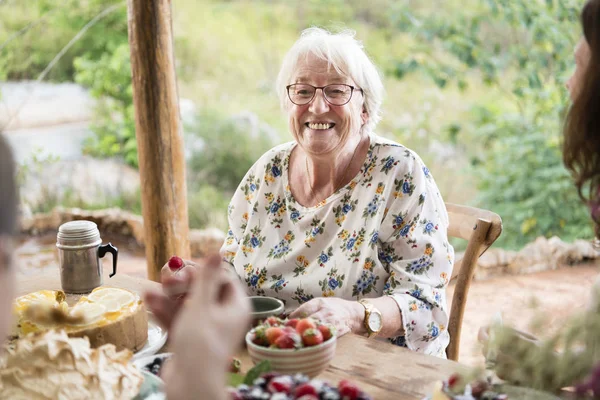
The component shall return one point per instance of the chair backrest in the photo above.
(480, 228)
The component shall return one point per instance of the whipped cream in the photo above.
(53, 366)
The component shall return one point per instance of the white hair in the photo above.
(344, 53)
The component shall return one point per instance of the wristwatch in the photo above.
(373, 321)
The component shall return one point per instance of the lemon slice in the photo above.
(89, 311)
(112, 299)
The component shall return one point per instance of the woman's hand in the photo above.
(205, 332)
(345, 316)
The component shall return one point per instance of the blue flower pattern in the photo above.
(384, 233)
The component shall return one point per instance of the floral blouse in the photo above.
(383, 234)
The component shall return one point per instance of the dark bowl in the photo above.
(265, 307)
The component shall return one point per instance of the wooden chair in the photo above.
(480, 228)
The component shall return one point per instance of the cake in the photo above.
(51, 365)
(106, 315)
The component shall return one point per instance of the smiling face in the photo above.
(319, 127)
(582, 59)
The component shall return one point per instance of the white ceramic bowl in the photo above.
(307, 360)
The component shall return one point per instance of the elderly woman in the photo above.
(341, 224)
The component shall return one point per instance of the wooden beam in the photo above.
(158, 133)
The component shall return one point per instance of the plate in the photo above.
(141, 362)
(151, 389)
(157, 337)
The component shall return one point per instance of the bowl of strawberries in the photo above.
(292, 346)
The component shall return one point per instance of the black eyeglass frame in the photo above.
(352, 89)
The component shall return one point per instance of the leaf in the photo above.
(235, 380)
(255, 372)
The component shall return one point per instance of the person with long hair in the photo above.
(581, 148)
(581, 134)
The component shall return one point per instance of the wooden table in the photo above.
(382, 370)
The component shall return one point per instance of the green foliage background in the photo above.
(474, 86)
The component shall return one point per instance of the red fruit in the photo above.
(304, 324)
(453, 380)
(273, 321)
(260, 338)
(312, 337)
(175, 263)
(326, 331)
(348, 390)
(273, 333)
(288, 341)
(281, 384)
(306, 389)
(292, 322)
(289, 329)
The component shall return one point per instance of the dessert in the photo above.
(51, 365)
(106, 315)
(291, 333)
(285, 387)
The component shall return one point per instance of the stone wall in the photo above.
(117, 221)
(541, 255)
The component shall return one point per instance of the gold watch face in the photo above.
(375, 321)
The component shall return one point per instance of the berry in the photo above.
(273, 321)
(326, 331)
(175, 263)
(288, 341)
(292, 322)
(312, 337)
(453, 380)
(260, 337)
(304, 324)
(305, 389)
(348, 390)
(273, 334)
(280, 384)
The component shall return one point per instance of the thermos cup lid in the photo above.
(78, 233)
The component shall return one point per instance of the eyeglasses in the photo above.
(337, 94)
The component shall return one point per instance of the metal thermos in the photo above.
(80, 250)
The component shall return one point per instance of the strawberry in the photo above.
(288, 341)
(305, 389)
(292, 322)
(273, 333)
(453, 380)
(175, 263)
(348, 390)
(273, 321)
(312, 337)
(235, 365)
(280, 384)
(326, 331)
(260, 337)
(304, 324)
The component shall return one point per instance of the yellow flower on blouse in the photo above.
(380, 188)
(428, 251)
(328, 293)
(368, 265)
(413, 307)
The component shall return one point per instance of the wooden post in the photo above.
(158, 133)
